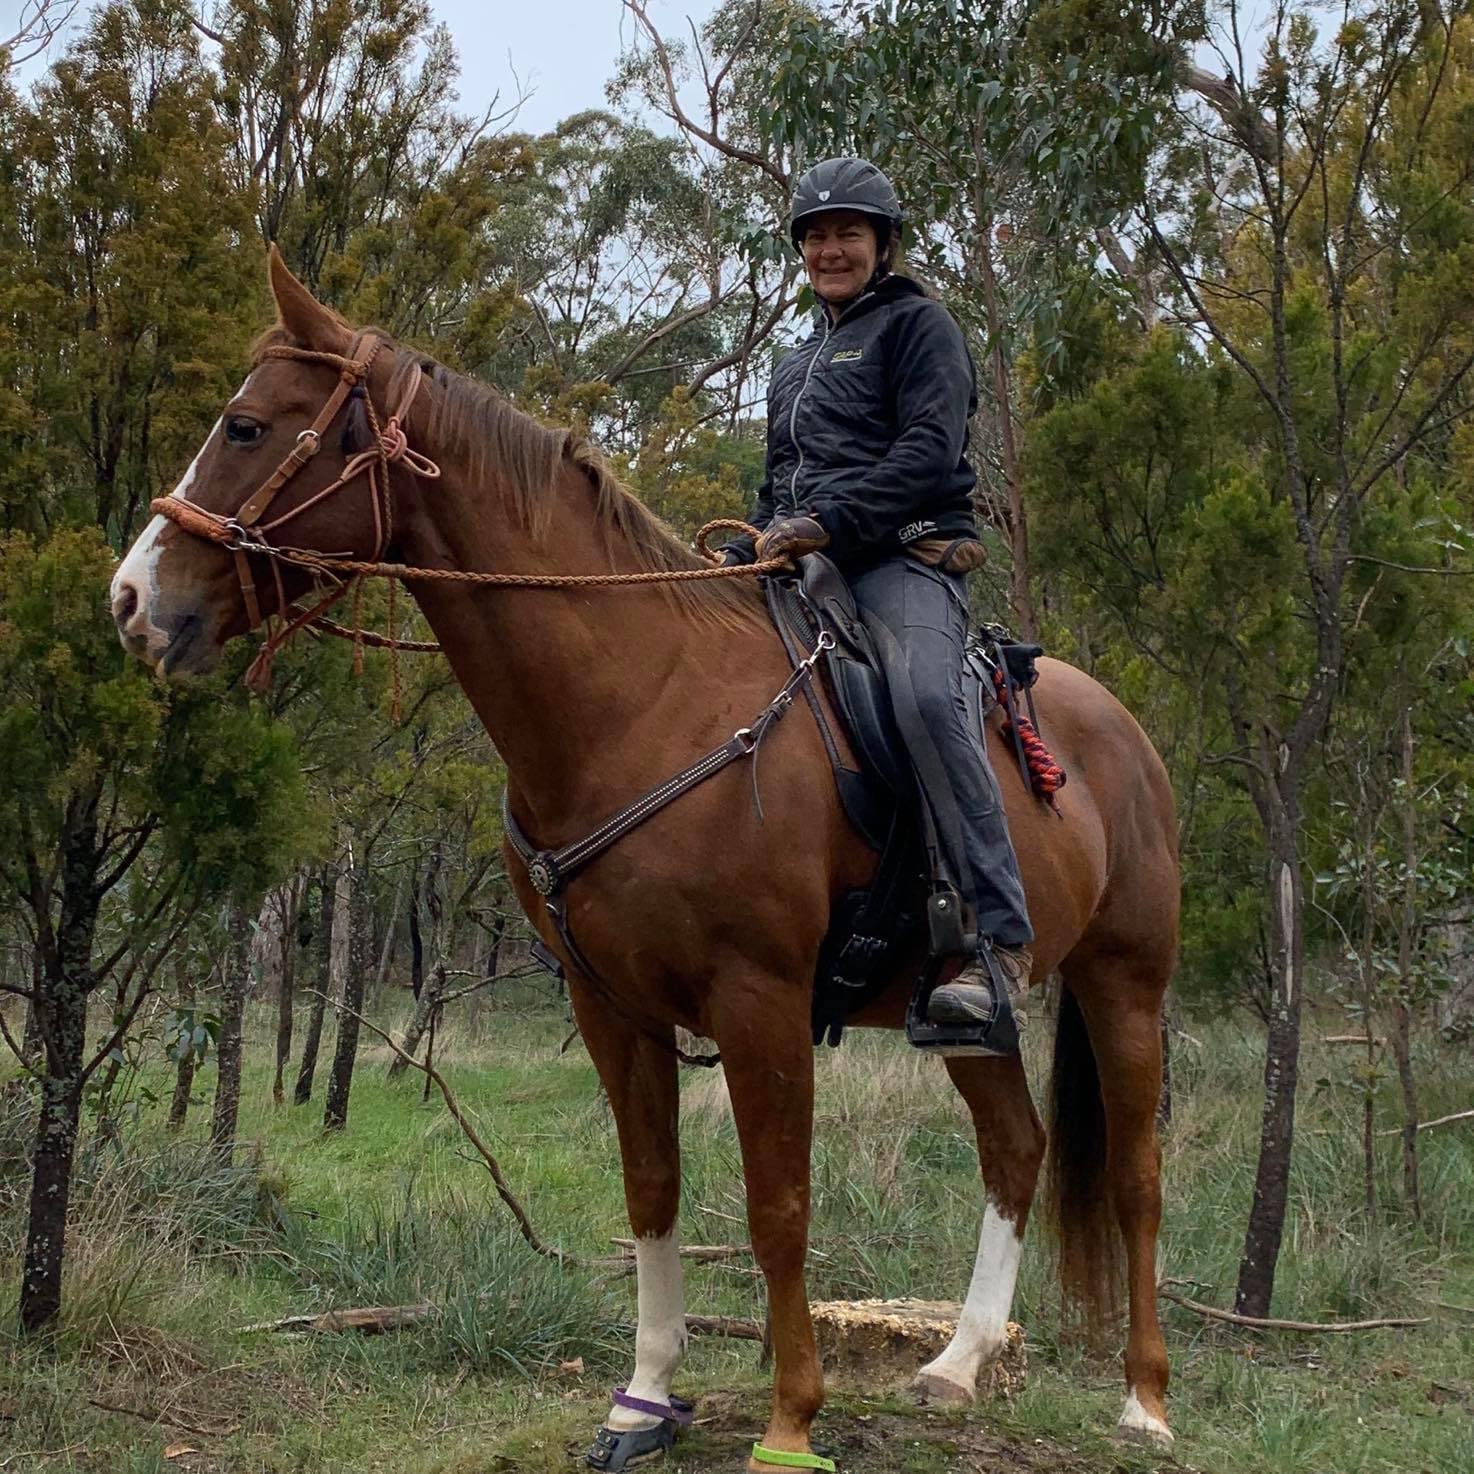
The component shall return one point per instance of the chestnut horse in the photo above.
(708, 917)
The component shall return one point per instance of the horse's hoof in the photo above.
(1146, 1430)
(934, 1387)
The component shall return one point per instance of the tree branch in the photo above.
(503, 1191)
(1222, 94)
(678, 115)
(1267, 1323)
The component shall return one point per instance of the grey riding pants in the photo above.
(925, 612)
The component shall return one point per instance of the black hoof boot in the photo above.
(627, 1448)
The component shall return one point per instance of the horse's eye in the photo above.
(241, 431)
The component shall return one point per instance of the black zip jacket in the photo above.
(867, 428)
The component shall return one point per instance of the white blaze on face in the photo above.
(983, 1324)
(660, 1339)
(139, 569)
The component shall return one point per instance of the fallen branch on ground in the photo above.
(724, 1325)
(374, 1320)
(698, 1251)
(152, 1415)
(1428, 1125)
(1267, 1323)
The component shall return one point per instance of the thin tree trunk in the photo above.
(416, 941)
(430, 1051)
(1368, 1007)
(287, 988)
(31, 1041)
(340, 1081)
(1401, 1030)
(386, 952)
(1281, 1065)
(1020, 582)
(184, 1071)
(425, 1009)
(52, 1174)
(228, 1049)
(61, 1005)
(313, 1042)
(56, 1145)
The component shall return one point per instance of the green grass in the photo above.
(171, 1254)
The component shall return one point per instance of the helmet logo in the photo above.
(824, 194)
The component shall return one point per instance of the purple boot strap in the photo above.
(678, 1410)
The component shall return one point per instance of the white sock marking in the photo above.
(660, 1339)
(983, 1324)
(1136, 1419)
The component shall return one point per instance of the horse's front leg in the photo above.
(762, 1029)
(638, 1071)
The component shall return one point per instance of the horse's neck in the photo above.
(557, 676)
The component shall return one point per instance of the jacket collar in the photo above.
(888, 289)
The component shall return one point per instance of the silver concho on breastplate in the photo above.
(543, 874)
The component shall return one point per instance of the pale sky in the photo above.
(563, 51)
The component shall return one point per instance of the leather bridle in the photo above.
(245, 533)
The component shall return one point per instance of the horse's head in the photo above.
(191, 582)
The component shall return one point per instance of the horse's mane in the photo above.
(499, 442)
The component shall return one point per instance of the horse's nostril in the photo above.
(125, 604)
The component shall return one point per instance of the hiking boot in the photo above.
(968, 998)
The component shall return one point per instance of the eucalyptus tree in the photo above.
(1015, 133)
(1314, 253)
(125, 809)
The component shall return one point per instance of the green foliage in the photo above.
(214, 783)
(1038, 115)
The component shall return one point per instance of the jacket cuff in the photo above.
(740, 550)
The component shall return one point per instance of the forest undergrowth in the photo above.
(175, 1253)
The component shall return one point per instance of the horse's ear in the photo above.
(301, 314)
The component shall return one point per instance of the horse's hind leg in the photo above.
(638, 1070)
(1010, 1148)
(1120, 995)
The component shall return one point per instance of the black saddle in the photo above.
(911, 909)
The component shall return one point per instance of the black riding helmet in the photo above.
(844, 184)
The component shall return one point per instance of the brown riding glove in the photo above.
(791, 537)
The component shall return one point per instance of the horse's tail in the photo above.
(1077, 1197)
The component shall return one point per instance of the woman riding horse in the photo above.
(867, 433)
(707, 917)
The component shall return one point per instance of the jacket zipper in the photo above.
(829, 326)
(793, 418)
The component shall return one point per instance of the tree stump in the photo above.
(884, 1343)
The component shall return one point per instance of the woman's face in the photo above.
(840, 252)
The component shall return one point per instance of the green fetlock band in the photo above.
(791, 1461)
